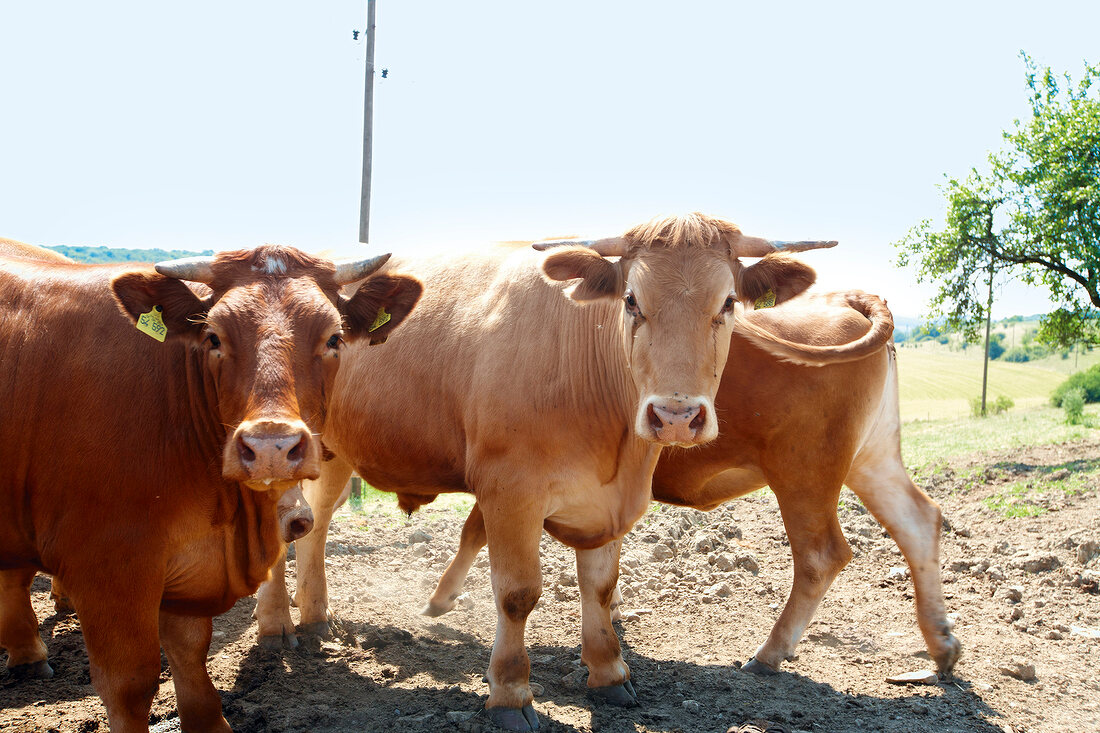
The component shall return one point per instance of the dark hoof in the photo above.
(757, 667)
(319, 628)
(433, 610)
(946, 664)
(40, 670)
(278, 642)
(521, 719)
(622, 695)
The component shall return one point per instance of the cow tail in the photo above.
(872, 307)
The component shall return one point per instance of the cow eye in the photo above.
(215, 342)
(728, 305)
(631, 304)
(334, 341)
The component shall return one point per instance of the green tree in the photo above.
(1035, 216)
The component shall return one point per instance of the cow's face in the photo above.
(678, 281)
(269, 328)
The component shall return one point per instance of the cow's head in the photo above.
(679, 280)
(269, 325)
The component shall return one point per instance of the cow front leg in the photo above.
(19, 626)
(119, 618)
(513, 534)
(186, 641)
(450, 585)
(61, 602)
(608, 674)
(275, 627)
(311, 595)
(820, 552)
(914, 521)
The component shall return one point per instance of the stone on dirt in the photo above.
(1023, 671)
(1036, 563)
(419, 536)
(919, 677)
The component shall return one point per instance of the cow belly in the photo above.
(719, 488)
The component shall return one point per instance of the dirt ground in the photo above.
(701, 592)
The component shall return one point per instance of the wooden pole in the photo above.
(988, 322)
(368, 129)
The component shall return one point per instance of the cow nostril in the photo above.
(700, 419)
(297, 453)
(655, 421)
(247, 454)
(299, 528)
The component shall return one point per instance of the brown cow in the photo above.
(803, 431)
(14, 248)
(549, 403)
(146, 474)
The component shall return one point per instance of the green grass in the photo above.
(930, 442)
(939, 383)
(1029, 498)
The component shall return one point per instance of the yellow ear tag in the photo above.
(767, 300)
(381, 320)
(152, 324)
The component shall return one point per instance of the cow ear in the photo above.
(599, 278)
(379, 306)
(781, 274)
(181, 311)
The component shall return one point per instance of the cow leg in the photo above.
(914, 521)
(19, 626)
(513, 534)
(820, 552)
(186, 641)
(119, 619)
(598, 577)
(450, 585)
(61, 602)
(322, 495)
(275, 626)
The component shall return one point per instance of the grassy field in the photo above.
(928, 442)
(937, 383)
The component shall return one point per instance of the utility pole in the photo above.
(368, 129)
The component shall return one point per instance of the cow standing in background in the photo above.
(550, 404)
(144, 470)
(798, 420)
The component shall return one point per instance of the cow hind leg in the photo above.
(186, 641)
(311, 595)
(61, 602)
(914, 521)
(820, 552)
(19, 626)
(275, 627)
(450, 585)
(608, 674)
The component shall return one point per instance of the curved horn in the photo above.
(758, 247)
(194, 269)
(607, 247)
(349, 272)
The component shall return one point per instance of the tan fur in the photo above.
(804, 432)
(503, 386)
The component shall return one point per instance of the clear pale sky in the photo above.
(219, 125)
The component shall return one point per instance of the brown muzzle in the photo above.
(271, 453)
(295, 515)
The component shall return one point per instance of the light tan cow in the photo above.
(550, 403)
(804, 431)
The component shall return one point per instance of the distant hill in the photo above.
(98, 255)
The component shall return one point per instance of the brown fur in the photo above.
(114, 448)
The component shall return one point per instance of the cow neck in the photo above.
(244, 518)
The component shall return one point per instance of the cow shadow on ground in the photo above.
(384, 677)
